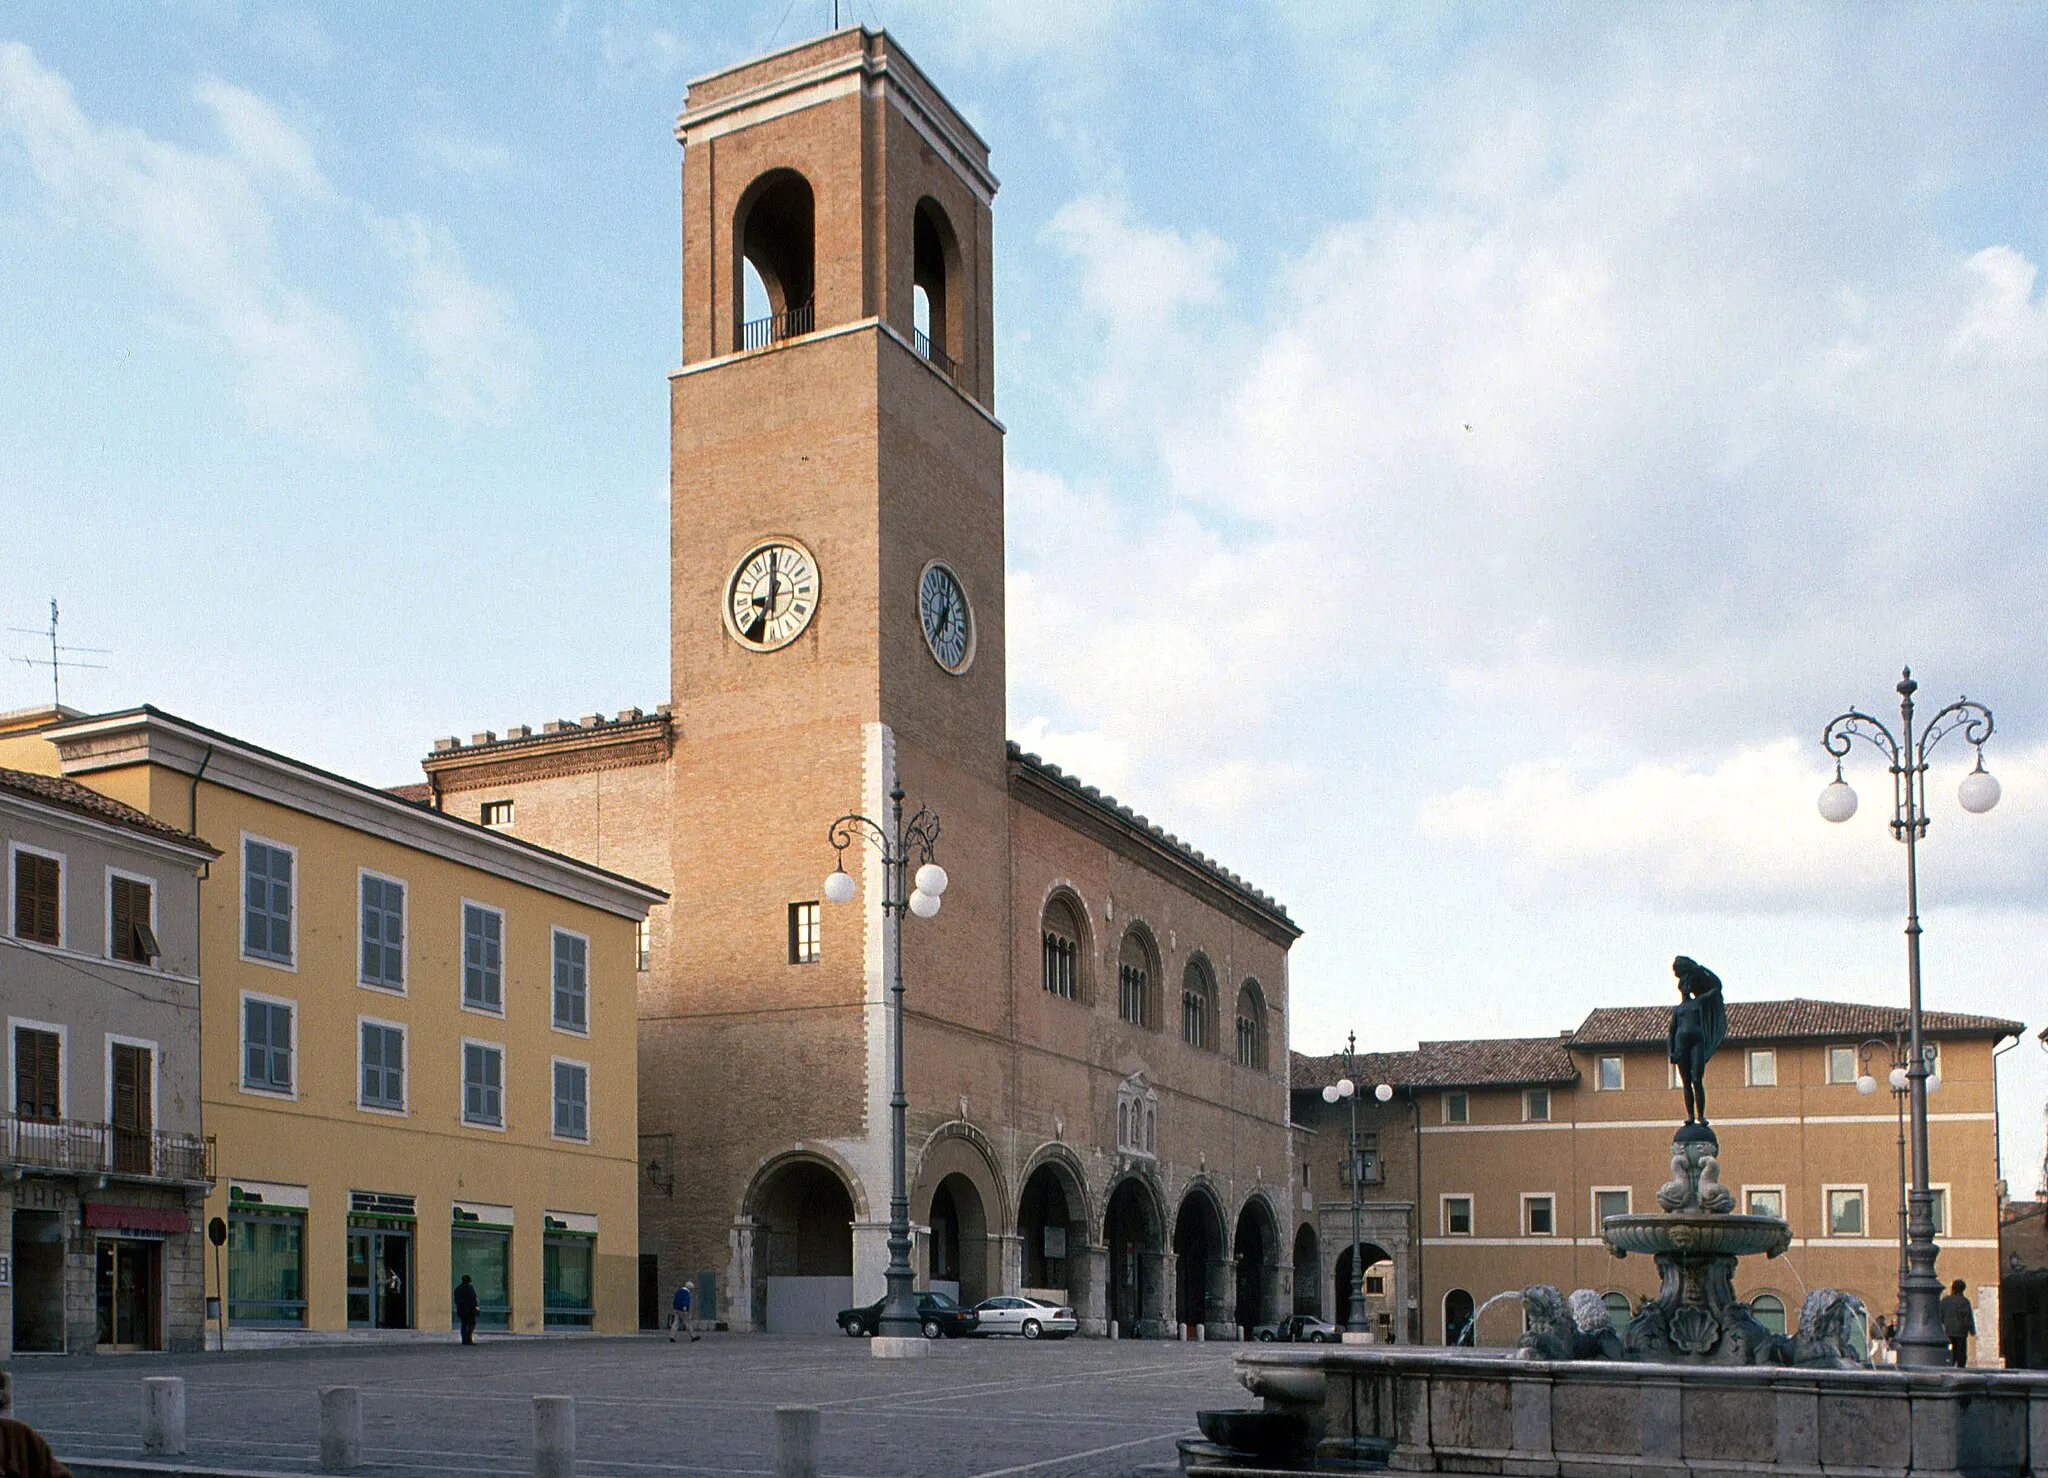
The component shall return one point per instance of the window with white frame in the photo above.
(572, 981)
(1137, 1108)
(1536, 1105)
(643, 946)
(496, 814)
(1609, 1201)
(1457, 1108)
(806, 934)
(572, 1099)
(131, 918)
(267, 1044)
(483, 1084)
(1844, 1205)
(1457, 1216)
(483, 958)
(1607, 1076)
(267, 900)
(1539, 1215)
(383, 932)
(1841, 1064)
(1763, 1068)
(1763, 1200)
(38, 896)
(383, 1066)
(1939, 1207)
(38, 1072)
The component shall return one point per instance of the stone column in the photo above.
(1219, 1306)
(1009, 1253)
(737, 1297)
(1156, 1290)
(870, 1261)
(1088, 1273)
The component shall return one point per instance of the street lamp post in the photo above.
(919, 894)
(1920, 1339)
(1357, 1328)
(1898, 1083)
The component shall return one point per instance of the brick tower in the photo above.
(848, 432)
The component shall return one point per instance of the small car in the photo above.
(1303, 1329)
(1034, 1318)
(937, 1314)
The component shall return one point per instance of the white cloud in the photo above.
(1746, 835)
(203, 222)
(478, 355)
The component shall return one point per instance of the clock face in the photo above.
(948, 622)
(771, 596)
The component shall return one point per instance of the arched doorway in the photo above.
(1308, 1271)
(1258, 1265)
(1458, 1317)
(803, 1248)
(1052, 1223)
(959, 1241)
(1199, 1256)
(774, 238)
(1136, 1239)
(1379, 1289)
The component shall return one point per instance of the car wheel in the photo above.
(1318, 1338)
(1264, 1336)
(931, 1329)
(1031, 1329)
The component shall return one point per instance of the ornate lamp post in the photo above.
(1920, 1339)
(1357, 1328)
(919, 894)
(1897, 1081)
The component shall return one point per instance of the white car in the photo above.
(1034, 1318)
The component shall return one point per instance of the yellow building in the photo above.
(418, 1043)
(1509, 1152)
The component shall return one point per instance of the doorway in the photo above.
(130, 1279)
(379, 1277)
(133, 1137)
(38, 1282)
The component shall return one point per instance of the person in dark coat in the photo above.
(467, 1306)
(1958, 1322)
(23, 1452)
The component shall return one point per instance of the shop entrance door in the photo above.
(38, 1282)
(130, 1290)
(379, 1278)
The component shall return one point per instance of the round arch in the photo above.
(1198, 993)
(1458, 1316)
(1134, 1230)
(774, 233)
(1252, 1029)
(1308, 1270)
(1201, 1250)
(1378, 1305)
(1256, 1246)
(1138, 970)
(799, 1213)
(936, 280)
(1067, 945)
(960, 1199)
(1073, 1176)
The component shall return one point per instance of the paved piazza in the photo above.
(976, 1409)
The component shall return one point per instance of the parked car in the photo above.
(937, 1314)
(1012, 1313)
(1300, 1329)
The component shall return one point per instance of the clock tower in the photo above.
(836, 627)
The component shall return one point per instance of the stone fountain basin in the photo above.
(1699, 1232)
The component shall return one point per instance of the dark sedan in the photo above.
(937, 1314)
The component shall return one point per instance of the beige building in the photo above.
(1494, 1161)
(1095, 1018)
(419, 1049)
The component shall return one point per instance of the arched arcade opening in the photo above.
(1379, 1289)
(803, 1248)
(1201, 1256)
(1136, 1239)
(1308, 1271)
(1258, 1265)
(1052, 1225)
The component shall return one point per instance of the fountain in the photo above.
(1692, 1384)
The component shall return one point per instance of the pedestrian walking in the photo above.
(467, 1306)
(1958, 1322)
(679, 1314)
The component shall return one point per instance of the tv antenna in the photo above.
(58, 662)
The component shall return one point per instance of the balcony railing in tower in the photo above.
(932, 354)
(759, 333)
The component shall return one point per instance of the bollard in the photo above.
(1201, 1334)
(796, 1442)
(163, 1415)
(341, 1427)
(1112, 1329)
(554, 1436)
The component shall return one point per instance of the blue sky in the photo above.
(1499, 437)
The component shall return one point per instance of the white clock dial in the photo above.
(771, 596)
(947, 619)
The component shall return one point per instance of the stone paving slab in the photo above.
(996, 1408)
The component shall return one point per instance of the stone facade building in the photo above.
(103, 1170)
(1493, 1161)
(1096, 1017)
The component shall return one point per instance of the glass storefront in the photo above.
(485, 1254)
(266, 1266)
(380, 1260)
(567, 1258)
(130, 1289)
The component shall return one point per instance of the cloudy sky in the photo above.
(1459, 458)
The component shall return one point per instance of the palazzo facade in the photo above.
(1095, 1028)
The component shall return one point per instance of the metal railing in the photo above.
(759, 333)
(932, 354)
(77, 1147)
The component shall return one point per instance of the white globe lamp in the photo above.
(839, 887)
(1979, 791)
(1837, 799)
(932, 879)
(1384, 1092)
(1866, 1085)
(923, 904)
(1898, 1080)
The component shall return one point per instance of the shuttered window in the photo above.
(267, 902)
(38, 1059)
(37, 914)
(267, 1045)
(572, 982)
(483, 958)
(383, 932)
(131, 937)
(383, 1066)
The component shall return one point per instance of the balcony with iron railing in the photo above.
(78, 1147)
(759, 333)
(933, 355)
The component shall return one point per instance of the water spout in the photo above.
(1473, 1328)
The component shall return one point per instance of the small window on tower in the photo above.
(643, 945)
(803, 933)
(498, 814)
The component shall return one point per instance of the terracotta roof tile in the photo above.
(1793, 1020)
(419, 795)
(71, 796)
(1490, 1062)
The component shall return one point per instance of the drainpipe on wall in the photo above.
(1421, 1290)
(199, 969)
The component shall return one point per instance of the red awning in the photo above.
(137, 1218)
